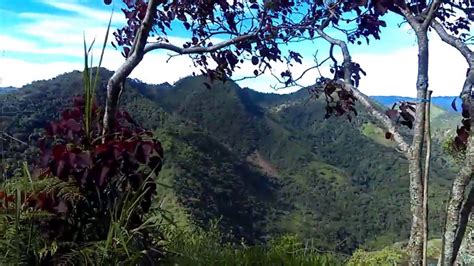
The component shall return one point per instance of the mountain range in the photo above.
(258, 164)
(444, 102)
(7, 90)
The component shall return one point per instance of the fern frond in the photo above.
(66, 190)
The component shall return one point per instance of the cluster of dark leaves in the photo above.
(401, 113)
(135, 13)
(463, 132)
(381, 7)
(355, 70)
(270, 23)
(40, 201)
(368, 19)
(339, 100)
(456, 16)
(367, 25)
(97, 172)
(205, 19)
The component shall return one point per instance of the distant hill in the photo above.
(443, 102)
(261, 164)
(7, 90)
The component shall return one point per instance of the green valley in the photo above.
(257, 165)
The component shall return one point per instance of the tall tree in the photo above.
(345, 84)
(251, 31)
(449, 27)
(419, 15)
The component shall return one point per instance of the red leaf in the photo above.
(73, 125)
(62, 207)
(58, 152)
(392, 114)
(103, 175)
(144, 152)
(61, 172)
(101, 148)
(84, 160)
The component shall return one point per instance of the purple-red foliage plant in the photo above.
(101, 169)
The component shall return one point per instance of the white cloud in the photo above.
(61, 30)
(395, 73)
(153, 69)
(17, 73)
(81, 10)
(387, 74)
(11, 44)
(392, 73)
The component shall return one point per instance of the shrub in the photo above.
(91, 189)
(386, 256)
(206, 247)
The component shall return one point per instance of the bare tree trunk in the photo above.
(116, 82)
(457, 211)
(426, 178)
(415, 166)
(415, 244)
(466, 210)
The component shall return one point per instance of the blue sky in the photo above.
(43, 38)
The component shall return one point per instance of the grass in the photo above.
(376, 134)
(201, 247)
(331, 173)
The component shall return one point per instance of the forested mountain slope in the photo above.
(261, 164)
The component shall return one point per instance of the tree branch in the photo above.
(415, 168)
(136, 55)
(198, 49)
(362, 98)
(457, 43)
(433, 10)
(383, 120)
(411, 19)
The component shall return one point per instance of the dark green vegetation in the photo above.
(261, 164)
